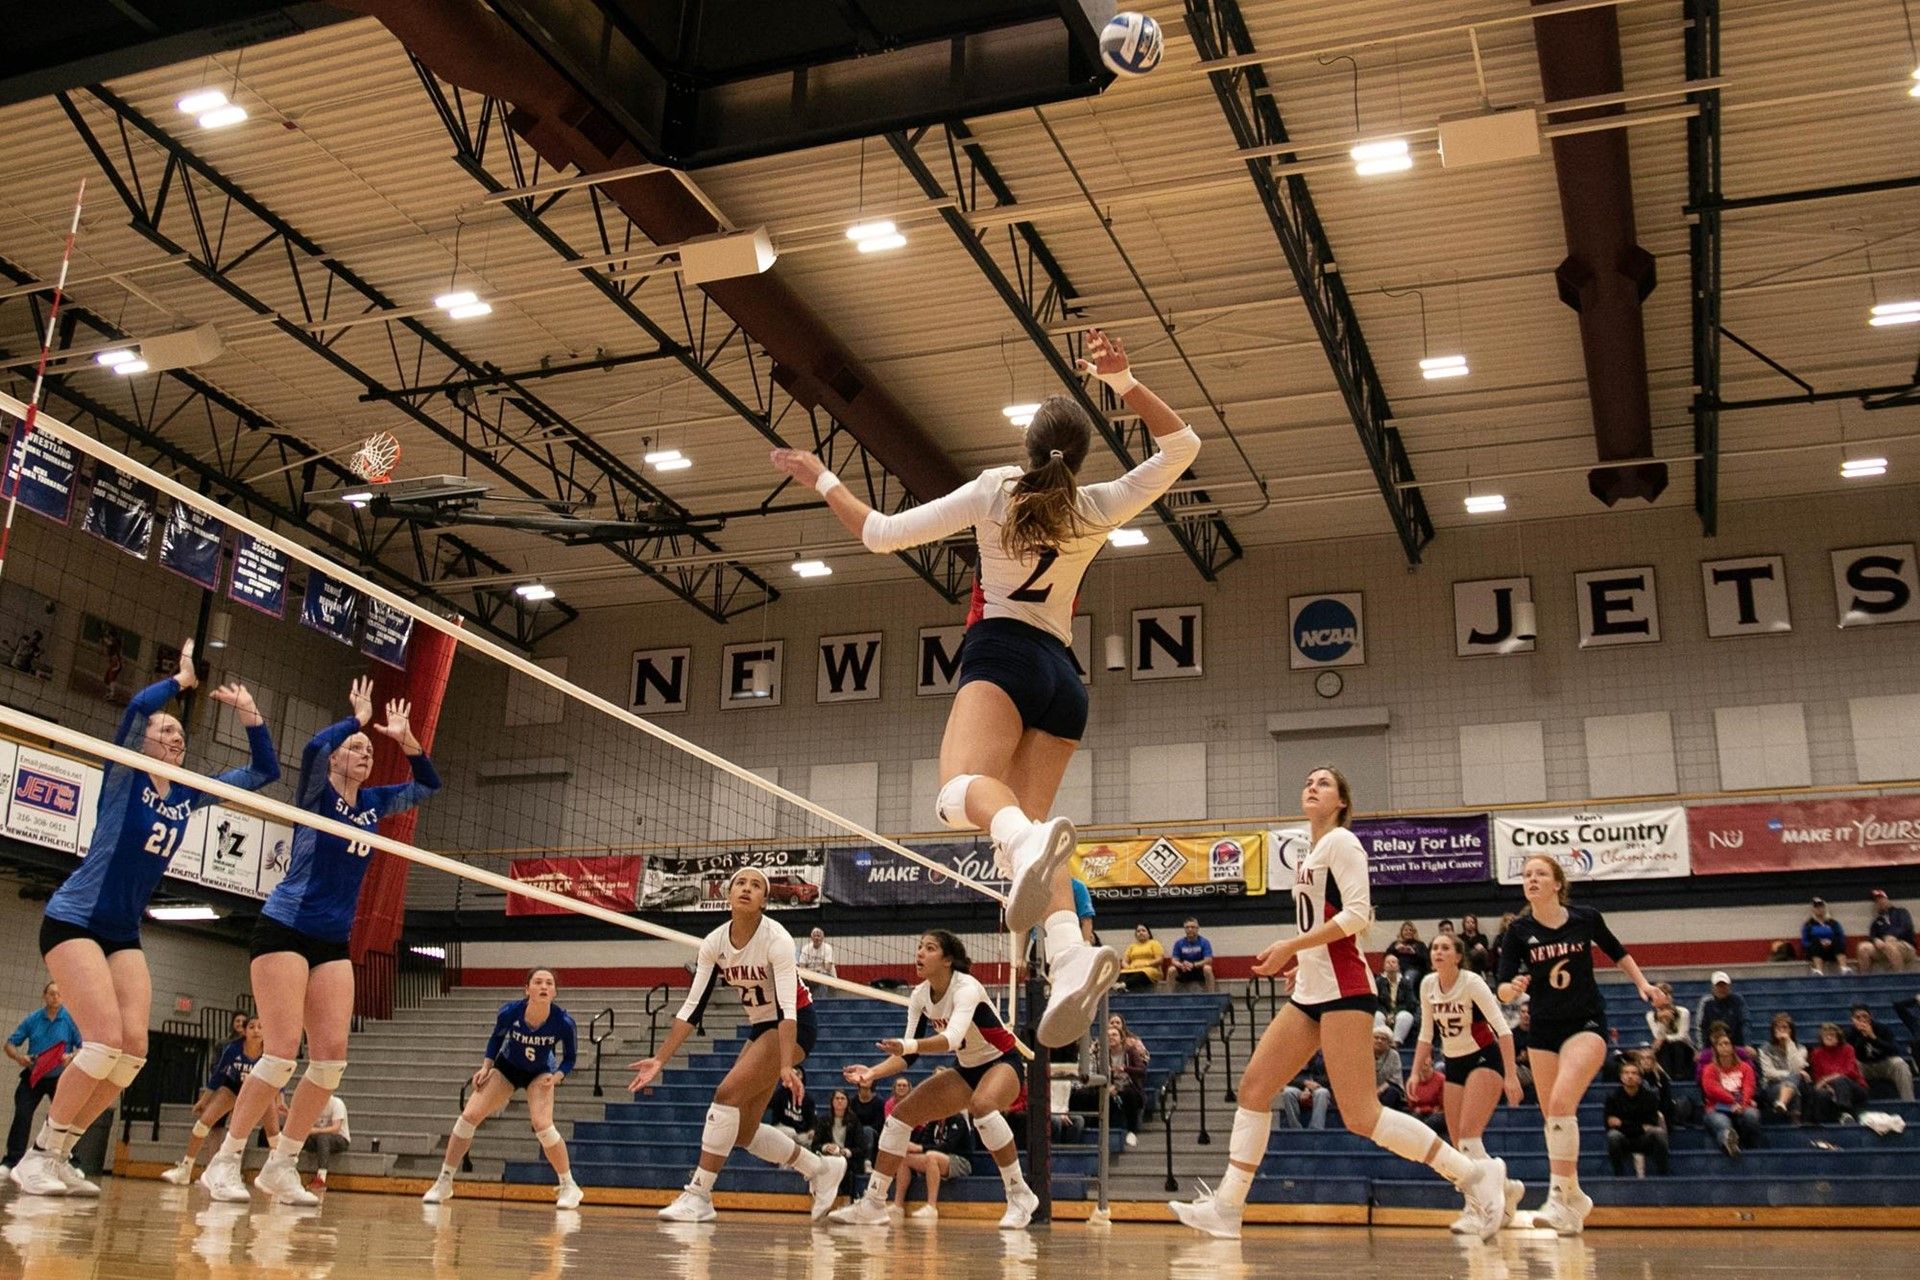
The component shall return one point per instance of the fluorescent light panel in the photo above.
(221, 117)
(201, 101)
(673, 464)
(1389, 155)
(659, 456)
(880, 244)
(812, 568)
(1481, 504)
(127, 368)
(878, 229)
(535, 591)
(358, 498)
(1128, 537)
(187, 911)
(117, 356)
(456, 298)
(1862, 468)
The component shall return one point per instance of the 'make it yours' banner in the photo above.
(865, 877)
(613, 883)
(1805, 835)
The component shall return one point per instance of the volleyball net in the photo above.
(114, 563)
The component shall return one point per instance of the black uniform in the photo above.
(1562, 995)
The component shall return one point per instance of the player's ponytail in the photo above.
(1043, 511)
(952, 948)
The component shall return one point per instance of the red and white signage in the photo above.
(1805, 835)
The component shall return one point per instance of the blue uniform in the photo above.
(139, 828)
(525, 1051)
(322, 887)
(231, 1068)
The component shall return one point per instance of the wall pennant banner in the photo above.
(259, 576)
(190, 545)
(43, 472)
(613, 883)
(120, 510)
(1229, 865)
(1805, 835)
(386, 634)
(330, 607)
(1649, 844)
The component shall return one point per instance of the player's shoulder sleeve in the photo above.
(1602, 934)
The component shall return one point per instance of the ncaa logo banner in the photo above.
(1648, 844)
(1805, 835)
(1232, 864)
(1326, 631)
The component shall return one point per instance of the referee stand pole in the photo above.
(1039, 1088)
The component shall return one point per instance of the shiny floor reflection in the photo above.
(146, 1229)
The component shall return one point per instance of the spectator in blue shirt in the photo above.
(37, 1032)
(1889, 937)
(1083, 910)
(1192, 958)
(1823, 941)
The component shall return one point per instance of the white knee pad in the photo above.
(994, 1130)
(124, 1070)
(1248, 1145)
(722, 1127)
(951, 807)
(463, 1130)
(1403, 1135)
(771, 1144)
(200, 1129)
(326, 1075)
(894, 1137)
(1563, 1138)
(549, 1136)
(275, 1071)
(96, 1059)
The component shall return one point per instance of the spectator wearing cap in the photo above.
(1889, 937)
(1723, 1005)
(1192, 958)
(1879, 1057)
(1823, 941)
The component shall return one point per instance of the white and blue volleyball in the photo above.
(1130, 45)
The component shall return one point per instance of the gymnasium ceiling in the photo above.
(356, 159)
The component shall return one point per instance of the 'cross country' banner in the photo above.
(613, 883)
(1648, 844)
(1805, 835)
(863, 877)
(1229, 865)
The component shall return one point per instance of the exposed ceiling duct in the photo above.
(1606, 275)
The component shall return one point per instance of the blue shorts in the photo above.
(1486, 1058)
(1033, 669)
(517, 1076)
(974, 1075)
(806, 1029)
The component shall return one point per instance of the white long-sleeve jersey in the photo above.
(763, 972)
(1038, 590)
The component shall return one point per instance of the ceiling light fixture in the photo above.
(1444, 367)
(127, 368)
(117, 356)
(462, 304)
(1481, 504)
(1020, 415)
(201, 101)
(812, 568)
(1863, 468)
(358, 498)
(534, 591)
(1128, 537)
(673, 464)
(877, 229)
(1890, 313)
(659, 456)
(221, 117)
(1370, 159)
(184, 911)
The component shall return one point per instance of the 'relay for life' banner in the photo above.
(1438, 850)
(613, 883)
(1647, 844)
(1804, 835)
(1230, 865)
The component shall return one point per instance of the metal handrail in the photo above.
(1226, 1025)
(1202, 1067)
(653, 1012)
(596, 1035)
(1169, 1103)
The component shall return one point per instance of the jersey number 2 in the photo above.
(1026, 592)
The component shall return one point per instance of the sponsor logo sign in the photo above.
(1647, 844)
(1804, 835)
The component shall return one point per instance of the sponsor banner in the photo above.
(1804, 835)
(276, 855)
(43, 804)
(613, 883)
(796, 878)
(863, 877)
(259, 576)
(233, 849)
(43, 471)
(1450, 850)
(329, 606)
(1647, 844)
(1229, 865)
(120, 511)
(190, 545)
(384, 639)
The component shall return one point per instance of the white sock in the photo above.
(878, 1184)
(448, 1172)
(1062, 934)
(234, 1144)
(1234, 1185)
(1474, 1147)
(68, 1141)
(1009, 825)
(703, 1180)
(1565, 1185)
(1011, 1177)
(287, 1147)
(50, 1137)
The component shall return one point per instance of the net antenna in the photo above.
(374, 460)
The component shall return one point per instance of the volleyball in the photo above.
(1130, 44)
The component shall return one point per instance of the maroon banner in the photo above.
(613, 883)
(1804, 835)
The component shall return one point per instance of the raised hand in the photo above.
(894, 1047)
(857, 1075)
(399, 712)
(186, 675)
(360, 695)
(802, 466)
(645, 1072)
(240, 698)
(1106, 356)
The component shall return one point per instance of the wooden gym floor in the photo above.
(141, 1230)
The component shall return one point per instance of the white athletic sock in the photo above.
(1247, 1145)
(449, 1172)
(1235, 1183)
(50, 1137)
(1011, 1177)
(287, 1147)
(1009, 825)
(1565, 1185)
(878, 1185)
(234, 1144)
(68, 1141)
(703, 1180)
(1063, 935)
(1476, 1148)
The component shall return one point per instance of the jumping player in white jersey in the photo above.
(1021, 708)
(949, 1012)
(755, 956)
(1478, 1047)
(1548, 957)
(1331, 1010)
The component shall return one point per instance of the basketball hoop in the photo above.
(373, 461)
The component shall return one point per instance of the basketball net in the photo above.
(374, 460)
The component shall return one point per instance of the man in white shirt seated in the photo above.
(817, 955)
(328, 1137)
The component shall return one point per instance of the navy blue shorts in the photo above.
(974, 1075)
(806, 1029)
(1345, 1004)
(1033, 669)
(518, 1077)
(1486, 1058)
(54, 932)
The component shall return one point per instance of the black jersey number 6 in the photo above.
(1026, 592)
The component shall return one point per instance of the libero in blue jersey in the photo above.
(526, 1050)
(233, 1066)
(236, 1062)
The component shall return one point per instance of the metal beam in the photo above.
(1253, 114)
(1897, 392)
(1715, 203)
(497, 378)
(1703, 257)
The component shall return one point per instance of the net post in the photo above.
(1039, 1090)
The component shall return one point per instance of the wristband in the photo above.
(826, 484)
(909, 1048)
(1120, 383)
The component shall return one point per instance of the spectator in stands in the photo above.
(1723, 1004)
(1308, 1090)
(1878, 1055)
(817, 955)
(1412, 953)
(1192, 960)
(1500, 934)
(1823, 941)
(1479, 951)
(1889, 936)
(1655, 1079)
(901, 1088)
(1635, 1124)
(38, 1034)
(840, 1133)
(1520, 1018)
(327, 1139)
(1727, 1089)
(1715, 1030)
(795, 1119)
(1783, 1070)
(1839, 1089)
(938, 1152)
(1670, 1026)
(1146, 961)
(1399, 997)
(1427, 1094)
(1389, 1078)
(1129, 1088)
(870, 1109)
(1136, 1047)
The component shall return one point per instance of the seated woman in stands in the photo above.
(1783, 1070)
(1146, 961)
(1839, 1087)
(1727, 1087)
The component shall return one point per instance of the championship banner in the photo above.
(1805, 835)
(1648, 844)
(385, 636)
(613, 883)
(43, 473)
(330, 607)
(120, 511)
(863, 877)
(795, 878)
(1220, 866)
(190, 545)
(1450, 850)
(259, 576)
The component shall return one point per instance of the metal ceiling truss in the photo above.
(1253, 114)
(1041, 297)
(622, 262)
(191, 208)
(213, 440)
(1703, 254)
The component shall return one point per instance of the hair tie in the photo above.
(1055, 454)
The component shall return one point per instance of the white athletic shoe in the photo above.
(1021, 1204)
(691, 1206)
(568, 1196)
(180, 1175)
(441, 1191)
(1515, 1190)
(75, 1181)
(34, 1175)
(281, 1180)
(1215, 1217)
(825, 1184)
(925, 1213)
(1035, 859)
(864, 1211)
(1464, 1225)
(1486, 1193)
(1567, 1217)
(223, 1182)
(1080, 979)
